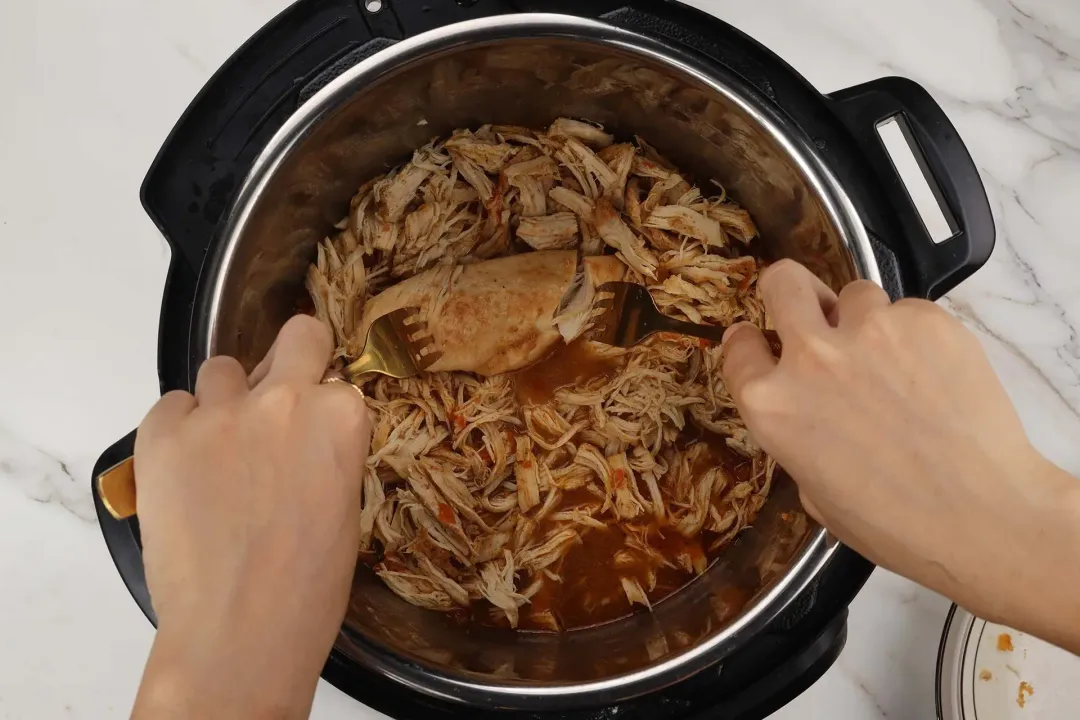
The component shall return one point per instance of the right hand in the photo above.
(905, 445)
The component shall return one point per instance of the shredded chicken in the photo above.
(472, 495)
(557, 231)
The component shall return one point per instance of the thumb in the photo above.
(747, 357)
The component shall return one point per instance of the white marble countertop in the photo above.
(90, 92)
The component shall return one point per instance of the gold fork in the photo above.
(624, 314)
(397, 345)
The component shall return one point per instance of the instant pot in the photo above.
(332, 92)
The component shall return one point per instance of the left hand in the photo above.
(249, 506)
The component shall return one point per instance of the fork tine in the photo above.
(398, 344)
(409, 315)
(417, 341)
(425, 361)
(598, 334)
(417, 345)
(413, 329)
(598, 310)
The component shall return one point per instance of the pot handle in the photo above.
(209, 152)
(947, 167)
(791, 677)
(122, 536)
(116, 488)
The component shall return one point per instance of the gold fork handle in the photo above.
(368, 362)
(705, 332)
(714, 333)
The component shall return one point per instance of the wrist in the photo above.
(193, 674)
(1058, 620)
(1038, 586)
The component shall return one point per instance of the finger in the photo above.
(349, 401)
(795, 299)
(346, 407)
(259, 373)
(221, 379)
(859, 299)
(167, 413)
(303, 351)
(747, 357)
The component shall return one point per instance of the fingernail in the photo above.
(732, 330)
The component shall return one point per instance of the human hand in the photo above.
(249, 505)
(905, 445)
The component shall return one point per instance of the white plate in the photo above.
(979, 678)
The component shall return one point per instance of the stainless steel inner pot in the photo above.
(528, 70)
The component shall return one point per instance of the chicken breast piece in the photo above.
(500, 315)
(489, 317)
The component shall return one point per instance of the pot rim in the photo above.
(836, 204)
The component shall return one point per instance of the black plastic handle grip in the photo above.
(947, 166)
(801, 670)
(211, 149)
(122, 536)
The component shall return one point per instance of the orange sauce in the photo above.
(589, 590)
(446, 514)
(1025, 690)
(566, 365)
